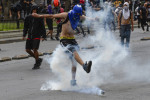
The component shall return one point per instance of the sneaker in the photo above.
(39, 62)
(57, 38)
(73, 83)
(87, 66)
(52, 38)
(36, 66)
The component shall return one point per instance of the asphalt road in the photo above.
(19, 82)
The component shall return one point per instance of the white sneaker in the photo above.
(73, 83)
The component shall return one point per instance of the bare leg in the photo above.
(77, 58)
(36, 54)
(74, 68)
(51, 34)
(30, 53)
(86, 66)
(74, 64)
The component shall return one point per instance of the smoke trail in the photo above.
(111, 62)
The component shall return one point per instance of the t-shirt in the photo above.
(143, 9)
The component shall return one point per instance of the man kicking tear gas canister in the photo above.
(67, 38)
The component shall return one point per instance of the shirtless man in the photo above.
(67, 39)
(124, 19)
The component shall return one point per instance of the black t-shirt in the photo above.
(143, 9)
(28, 0)
(16, 7)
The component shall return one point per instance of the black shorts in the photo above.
(70, 44)
(49, 23)
(32, 44)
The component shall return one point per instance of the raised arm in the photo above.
(60, 15)
(83, 17)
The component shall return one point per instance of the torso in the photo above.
(67, 30)
(125, 21)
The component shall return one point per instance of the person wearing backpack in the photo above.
(124, 19)
(67, 39)
(57, 5)
(143, 16)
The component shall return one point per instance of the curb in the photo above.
(10, 41)
(3, 59)
(19, 57)
(145, 38)
(48, 53)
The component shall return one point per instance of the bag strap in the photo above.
(66, 20)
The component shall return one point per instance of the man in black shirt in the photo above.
(143, 16)
(35, 29)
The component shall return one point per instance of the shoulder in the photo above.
(28, 17)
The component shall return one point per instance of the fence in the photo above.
(6, 25)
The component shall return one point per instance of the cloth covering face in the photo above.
(74, 16)
(126, 11)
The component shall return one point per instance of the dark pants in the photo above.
(143, 23)
(125, 31)
(139, 20)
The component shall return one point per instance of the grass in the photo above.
(7, 26)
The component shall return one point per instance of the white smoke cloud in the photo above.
(111, 63)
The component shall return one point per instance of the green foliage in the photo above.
(12, 25)
(6, 26)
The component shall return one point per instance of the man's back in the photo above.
(143, 10)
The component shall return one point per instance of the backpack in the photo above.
(56, 3)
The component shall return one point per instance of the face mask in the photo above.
(125, 7)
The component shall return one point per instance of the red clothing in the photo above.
(59, 20)
(82, 1)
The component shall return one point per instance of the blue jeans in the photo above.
(125, 31)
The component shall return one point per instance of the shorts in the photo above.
(49, 23)
(70, 44)
(32, 44)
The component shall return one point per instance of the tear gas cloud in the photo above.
(111, 63)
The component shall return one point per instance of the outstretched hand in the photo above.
(36, 15)
(23, 38)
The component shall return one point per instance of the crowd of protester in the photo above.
(119, 15)
(22, 8)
